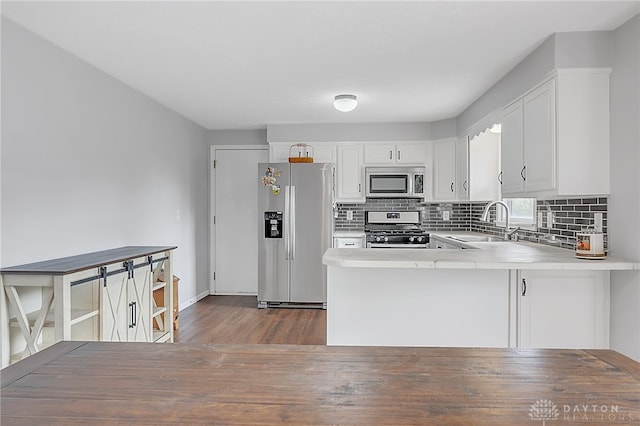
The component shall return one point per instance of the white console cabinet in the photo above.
(104, 295)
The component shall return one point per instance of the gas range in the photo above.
(390, 229)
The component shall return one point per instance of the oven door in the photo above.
(397, 245)
(388, 184)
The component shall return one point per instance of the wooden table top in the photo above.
(146, 383)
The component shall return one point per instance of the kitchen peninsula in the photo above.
(492, 294)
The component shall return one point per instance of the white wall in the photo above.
(348, 132)
(237, 137)
(91, 164)
(443, 129)
(560, 50)
(624, 202)
(517, 81)
(590, 49)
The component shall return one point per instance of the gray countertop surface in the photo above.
(81, 262)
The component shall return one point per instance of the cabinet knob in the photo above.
(451, 186)
(500, 178)
(524, 287)
(522, 173)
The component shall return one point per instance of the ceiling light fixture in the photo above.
(345, 103)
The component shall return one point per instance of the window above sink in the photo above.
(522, 213)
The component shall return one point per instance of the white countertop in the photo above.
(348, 234)
(487, 255)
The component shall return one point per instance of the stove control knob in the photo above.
(411, 239)
(419, 239)
(378, 239)
(386, 239)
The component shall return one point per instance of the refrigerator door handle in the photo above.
(292, 233)
(287, 222)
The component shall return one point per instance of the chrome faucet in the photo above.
(513, 234)
(485, 217)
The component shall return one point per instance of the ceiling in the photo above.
(243, 65)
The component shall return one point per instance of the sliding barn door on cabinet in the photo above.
(139, 289)
(126, 302)
(113, 304)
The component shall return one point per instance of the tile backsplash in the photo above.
(431, 213)
(571, 216)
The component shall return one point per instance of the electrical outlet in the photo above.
(550, 220)
(445, 215)
(597, 222)
(540, 220)
(349, 214)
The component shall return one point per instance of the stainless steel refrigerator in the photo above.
(295, 206)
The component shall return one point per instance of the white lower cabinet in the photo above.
(126, 302)
(418, 307)
(467, 307)
(563, 309)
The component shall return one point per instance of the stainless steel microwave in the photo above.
(395, 182)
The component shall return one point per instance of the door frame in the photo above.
(212, 201)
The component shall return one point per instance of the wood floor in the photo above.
(236, 319)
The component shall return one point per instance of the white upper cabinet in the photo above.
(320, 152)
(451, 169)
(529, 143)
(411, 153)
(484, 167)
(279, 153)
(555, 139)
(444, 169)
(511, 150)
(395, 153)
(539, 138)
(349, 174)
(462, 168)
(380, 154)
(325, 153)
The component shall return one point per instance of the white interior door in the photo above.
(236, 229)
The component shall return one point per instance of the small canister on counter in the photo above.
(590, 245)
